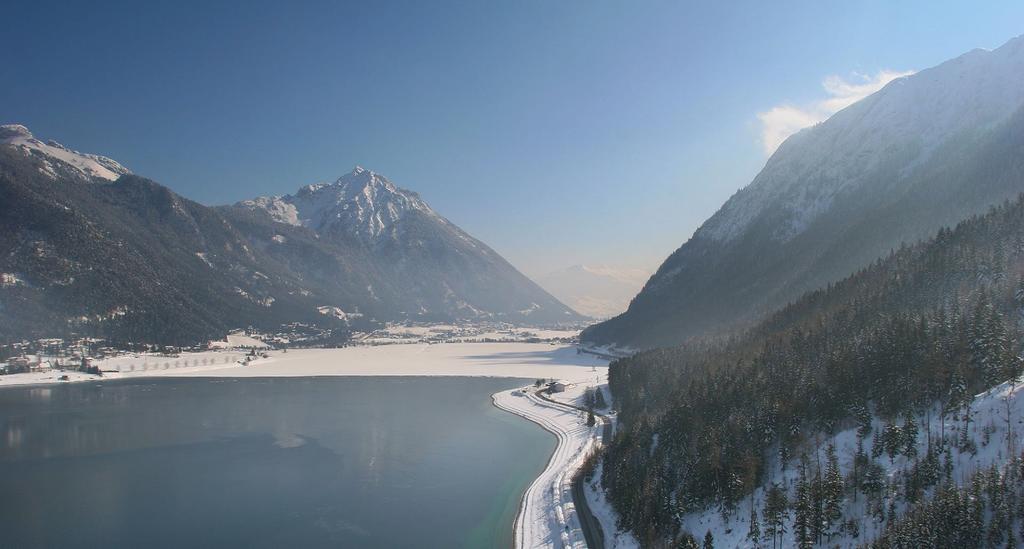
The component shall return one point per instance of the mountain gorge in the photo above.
(595, 290)
(87, 247)
(926, 151)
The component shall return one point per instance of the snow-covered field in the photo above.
(136, 365)
(237, 341)
(524, 360)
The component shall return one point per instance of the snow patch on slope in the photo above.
(90, 165)
(897, 128)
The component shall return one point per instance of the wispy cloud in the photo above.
(782, 121)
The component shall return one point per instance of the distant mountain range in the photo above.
(596, 291)
(87, 247)
(926, 151)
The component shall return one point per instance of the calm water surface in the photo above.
(285, 462)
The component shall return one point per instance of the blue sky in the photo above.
(558, 132)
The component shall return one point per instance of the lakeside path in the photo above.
(547, 513)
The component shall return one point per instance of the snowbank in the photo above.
(606, 515)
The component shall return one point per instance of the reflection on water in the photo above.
(40, 393)
(367, 462)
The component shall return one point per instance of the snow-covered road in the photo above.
(547, 515)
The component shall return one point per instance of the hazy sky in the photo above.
(558, 132)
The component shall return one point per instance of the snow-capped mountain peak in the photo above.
(421, 265)
(361, 202)
(90, 165)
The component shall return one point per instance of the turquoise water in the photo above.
(283, 462)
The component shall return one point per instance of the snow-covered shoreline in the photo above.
(547, 513)
(547, 516)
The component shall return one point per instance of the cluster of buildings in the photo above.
(52, 354)
(37, 363)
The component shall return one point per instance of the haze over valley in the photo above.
(532, 275)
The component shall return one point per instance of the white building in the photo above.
(559, 386)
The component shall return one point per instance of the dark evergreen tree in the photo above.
(709, 540)
(803, 515)
(776, 513)
(754, 531)
(832, 492)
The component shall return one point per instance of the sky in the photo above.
(558, 132)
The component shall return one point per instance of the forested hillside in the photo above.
(882, 365)
(131, 261)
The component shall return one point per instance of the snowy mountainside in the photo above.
(925, 151)
(904, 124)
(707, 426)
(91, 165)
(131, 260)
(422, 266)
(361, 202)
(948, 448)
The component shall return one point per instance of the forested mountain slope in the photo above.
(130, 260)
(881, 362)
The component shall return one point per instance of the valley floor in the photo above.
(521, 360)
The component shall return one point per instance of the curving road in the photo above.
(592, 530)
(547, 514)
